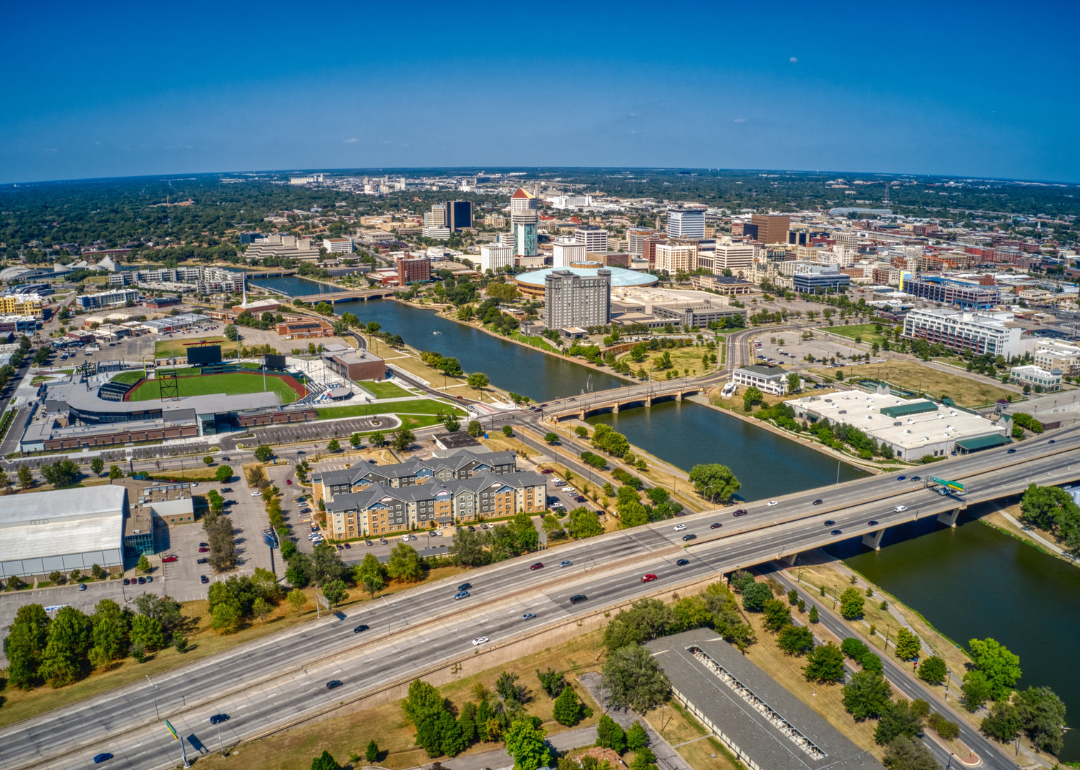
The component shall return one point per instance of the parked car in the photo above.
(204, 579)
(142, 581)
(170, 559)
(127, 581)
(204, 550)
(203, 561)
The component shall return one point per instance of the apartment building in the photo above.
(1055, 354)
(981, 333)
(21, 304)
(576, 301)
(457, 466)
(412, 269)
(677, 255)
(496, 256)
(107, 299)
(594, 238)
(686, 223)
(964, 294)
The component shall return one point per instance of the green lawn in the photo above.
(128, 378)
(865, 331)
(384, 389)
(231, 384)
(175, 348)
(420, 406)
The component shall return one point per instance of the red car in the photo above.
(741, 512)
(648, 578)
(288, 481)
(204, 550)
(538, 565)
(169, 559)
(547, 470)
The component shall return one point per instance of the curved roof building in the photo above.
(532, 283)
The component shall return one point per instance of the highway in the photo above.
(275, 680)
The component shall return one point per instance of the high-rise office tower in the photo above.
(566, 252)
(685, 223)
(634, 238)
(594, 238)
(458, 215)
(523, 227)
(522, 200)
(573, 300)
(436, 217)
(768, 228)
(677, 255)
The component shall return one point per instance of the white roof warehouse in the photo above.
(913, 428)
(64, 529)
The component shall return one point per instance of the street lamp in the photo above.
(154, 691)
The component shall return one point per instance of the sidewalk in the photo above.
(496, 760)
(666, 756)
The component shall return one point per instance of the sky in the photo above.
(107, 89)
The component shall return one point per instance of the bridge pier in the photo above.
(949, 517)
(678, 396)
(615, 408)
(790, 559)
(873, 539)
(648, 402)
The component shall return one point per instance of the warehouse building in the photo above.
(65, 530)
(757, 719)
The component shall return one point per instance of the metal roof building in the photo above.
(763, 724)
(63, 529)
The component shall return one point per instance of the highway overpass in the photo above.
(269, 684)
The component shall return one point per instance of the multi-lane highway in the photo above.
(278, 679)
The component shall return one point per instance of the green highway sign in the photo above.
(950, 484)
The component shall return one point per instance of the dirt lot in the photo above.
(969, 392)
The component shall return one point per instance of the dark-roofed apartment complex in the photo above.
(764, 725)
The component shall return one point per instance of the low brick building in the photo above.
(356, 365)
(299, 328)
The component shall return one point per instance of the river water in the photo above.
(969, 582)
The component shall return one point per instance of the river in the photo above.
(972, 581)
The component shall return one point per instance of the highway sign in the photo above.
(954, 485)
(171, 729)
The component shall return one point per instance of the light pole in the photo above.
(221, 745)
(156, 714)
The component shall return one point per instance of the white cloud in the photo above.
(739, 120)
(793, 60)
(353, 140)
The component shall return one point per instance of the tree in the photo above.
(334, 592)
(263, 453)
(1002, 723)
(1043, 716)
(851, 604)
(422, 702)
(404, 564)
(976, 690)
(478, 381)
(777, 614)
(795, 640)
(115, 472)
(26, 477)
(325, 761)
(526, 743)
(867, 695)
(97, 465)
(110, 633)
(1000, 667)
(714, 482)
(752, 396)
(755, 595)
(451, 423)
(226, 617)
(297, 599)
(900, 718)
(260, 608)
(61, 474)
(813, 615)
(907, 645)
(25, 644)
(231, 333)
(376, 439)
(634, 679)
(208, 460)
(66, 652)
(636, 737)
(333, 446)
(370, 574)
(933, 670)
(356, 441)
(584, 523)
(567, 709)
(475, 429)
(223, 474)
(825, 664)
(645, 620)
(551, 438)
(143, 564)
(147, 633)
(401, 439)
(371, 753)
(793, 382)
(905, 753)
(451, 738)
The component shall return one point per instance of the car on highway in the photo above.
(919, 478)
(836, 532)
(829, 522)
(691, 536)
(334, 684)
(715, 525)
(360, 629)
(772, 503)
(682, 562)
(680, 527)
(461, 595)
(578, 598)
(528, 616)
(219, 718)
(479, 640)
(872, 523)
(1011, 451)
(170, 559)
(565, 563)
(102, 758)
(538, 565)
(1052, 441)
(464, 586)
(648, 578)
(901, 478)
(740, 512)
(900, 508)
(819, 501)
(204, 579)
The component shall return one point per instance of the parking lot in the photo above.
(790, 350)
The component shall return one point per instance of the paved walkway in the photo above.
(499, 759)
(666, 756)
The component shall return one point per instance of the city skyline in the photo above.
(926, 89)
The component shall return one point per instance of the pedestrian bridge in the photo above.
(613, 400)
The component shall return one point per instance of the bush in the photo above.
(943, 727)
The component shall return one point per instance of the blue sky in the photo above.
(117, 89)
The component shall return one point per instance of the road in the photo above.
(283, 677)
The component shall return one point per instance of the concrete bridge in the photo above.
(334, 297)
(612, 400)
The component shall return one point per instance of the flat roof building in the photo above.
(63, 529)
(766, 378)
(573, 300)
(686, 223)
(981, 333)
